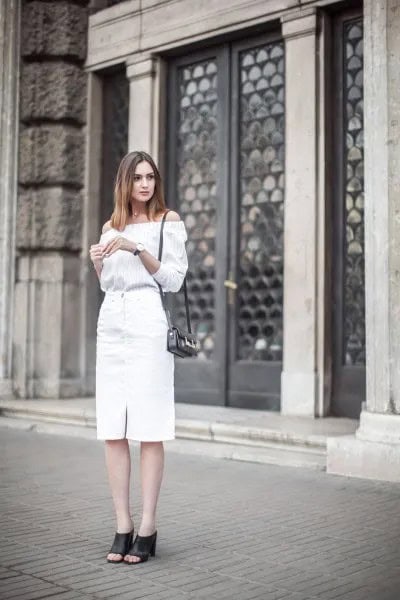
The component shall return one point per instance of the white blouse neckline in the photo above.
(153, 223)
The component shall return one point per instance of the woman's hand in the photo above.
(96, 254)
(118, 243)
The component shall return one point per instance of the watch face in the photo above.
(140, 247)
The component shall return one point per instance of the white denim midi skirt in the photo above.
(134, 370)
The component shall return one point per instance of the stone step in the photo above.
(239, 434)
(268, 454)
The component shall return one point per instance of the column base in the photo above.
(298, 394)
(372, 453)
(6, 388)
(51, 388)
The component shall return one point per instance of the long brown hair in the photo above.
(123, 190)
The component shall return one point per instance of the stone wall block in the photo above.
(46, 346)
(54, 90)
(54, 29)
(47, 299)
(71, 319)
(20, 363)
(50, 218)
(47, 268)
(51, 154)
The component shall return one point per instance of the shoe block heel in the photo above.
(143, 547)
(153, 548)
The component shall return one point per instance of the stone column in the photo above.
(300, 310)
(47, 326)
(9, 94)
(375, 449)
(145, 74)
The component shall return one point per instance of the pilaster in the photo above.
(91, 295)
(374, 452)
(143, 73)
(9, 106)
(300, 370)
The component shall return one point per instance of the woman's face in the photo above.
(144, 182)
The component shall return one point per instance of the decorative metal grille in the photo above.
(115, 133)
(196, 162)
(262, 114)
(354, 279)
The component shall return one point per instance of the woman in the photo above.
(134, 370)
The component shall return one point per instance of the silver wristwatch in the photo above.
(139, 248)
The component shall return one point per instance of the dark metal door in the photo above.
(225, 176)
(115, 112)
(112, 147)
(115, 133)
(255, 331)
(197, 139)
(348, 245)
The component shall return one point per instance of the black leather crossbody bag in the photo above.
(179, 342)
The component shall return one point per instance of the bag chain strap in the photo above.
(160, 249)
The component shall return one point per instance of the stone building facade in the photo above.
(276, 127)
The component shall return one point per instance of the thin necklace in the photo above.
(135, 212)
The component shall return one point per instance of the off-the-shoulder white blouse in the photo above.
(122, 271)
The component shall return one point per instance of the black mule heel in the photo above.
(153, 548)
(121, 543)
(143, 547)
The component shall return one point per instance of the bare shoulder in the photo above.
(172, 216)
(106, 227)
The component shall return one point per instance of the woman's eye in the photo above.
(151, 177)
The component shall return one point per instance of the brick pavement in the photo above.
(227, 530)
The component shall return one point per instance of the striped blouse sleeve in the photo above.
(174, 262)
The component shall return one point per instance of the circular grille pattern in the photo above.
(354, 280)
(196, 162)
(262, 114)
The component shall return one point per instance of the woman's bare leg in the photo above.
(151, 472)
(118, 461)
